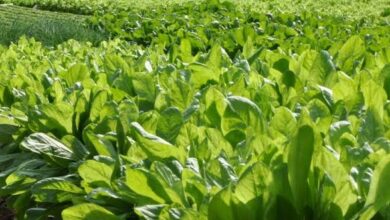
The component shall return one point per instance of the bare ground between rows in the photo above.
(5, 212)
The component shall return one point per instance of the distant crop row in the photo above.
(51, 28)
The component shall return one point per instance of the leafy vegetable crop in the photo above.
(200, 112)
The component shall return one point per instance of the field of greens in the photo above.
(218, 110)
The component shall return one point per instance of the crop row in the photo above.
(12, 11)
(49, 27)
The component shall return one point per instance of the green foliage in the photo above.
(213, 114)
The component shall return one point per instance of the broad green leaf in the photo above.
(77, 73)
(186, 50)
(385, 76)
(182, 214)
(128, 112)
(149, 120)
(149, 212)
(88, 211)
(115, 65)
(218, 143)
(299, 160)
(315, 66)
(350, 52)
(320, 114)
(181, 94)
(106, 197)
(97, 104)
(284, 121)
(337, 129)
(169, 124)
(255, 181)
(48, 147)
(145, 87)
(201, 74)
(80, 115)
(56, 190)
(142, 188)
(344, 195)
(346, 90)
(371, 127)
(218, 58)
(220, 172)
(155, 147)
(220, 206)
(374, 97)
(193, 184)
(215, 106)
(166, 173)
(95, 174)
(247, 111)
(55, 118)
(78, 148)
(98, 144)
(251, 195)
(379, 193)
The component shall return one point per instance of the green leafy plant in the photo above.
(214, 114)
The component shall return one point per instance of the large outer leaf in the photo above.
(283, 121)
(248, 199)
(46, 146)
(247, 111)
(374, 96)
(337, 129)
(220, 206)
(98, 144)
(299, 160)
(154, 147)
(371, 127)
(56, 190)
(142, 187)
(77, 73)
(149, 212)
(343, 196)
(201, 74)
(145, 87)
(215, 105)
(169, 124)
(95, 174)
(315, 66)
(379, 192)
(350, 52)
(186, 50)
(88, 211)
(99, 99)
(55, 118)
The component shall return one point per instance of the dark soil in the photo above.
(5, 212)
